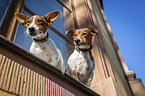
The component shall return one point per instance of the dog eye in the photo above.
(84, 34)
(75, 35)
(40, 21)
(28, 22)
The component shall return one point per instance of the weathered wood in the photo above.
(9, 23)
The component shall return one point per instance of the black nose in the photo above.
(31, 29)
(78, 41)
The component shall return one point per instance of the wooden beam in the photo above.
(64, 6)
(29, 11)
(61, 35)
(9, 23)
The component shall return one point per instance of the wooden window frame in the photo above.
(9, 24)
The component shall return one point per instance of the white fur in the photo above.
(83, 47)
(33, 25)
(45, 50)
(78, 64)
(33, 22)
(48, 52)
(82, 64)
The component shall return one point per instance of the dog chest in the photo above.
(79, 63)
(46, 50)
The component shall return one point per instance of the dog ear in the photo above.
(52, 16)
(71, 31)
(22, 18)
(93, 30)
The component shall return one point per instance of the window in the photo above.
(42, 8)
(3, 7)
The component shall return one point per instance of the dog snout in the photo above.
(32, 31)
(78, 42)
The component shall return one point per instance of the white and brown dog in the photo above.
(42, 46)
(80, 64)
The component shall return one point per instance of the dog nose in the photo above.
(31, 29)
(77, 41)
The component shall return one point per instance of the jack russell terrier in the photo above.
(42, 46)
(80, 64)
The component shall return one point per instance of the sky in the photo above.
(127, 21)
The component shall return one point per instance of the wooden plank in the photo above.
(31, 84)
(1, 58)
(54, 91)
(60, 93)
(3, 72)
(50, 86)
(6, 73)
(10, 76)
(39, 86)
(18, 79)
(1, 66)
(2, 62)
(41, 82)
(25, 82)
(13, 77)
(46, 86)
(22, 81)
(28, 82)
(36, 85)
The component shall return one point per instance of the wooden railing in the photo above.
(22, 73)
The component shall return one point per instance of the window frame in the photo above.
(9, 24)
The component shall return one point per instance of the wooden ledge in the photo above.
(10, 49)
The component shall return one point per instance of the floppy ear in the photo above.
(22, 18)
(52, 16)
(71, 31)
(93, 30)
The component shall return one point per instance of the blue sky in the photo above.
(127, 21)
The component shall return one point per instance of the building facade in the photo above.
(22, 73)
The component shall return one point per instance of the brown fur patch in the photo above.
(40, 22)
(84, 35)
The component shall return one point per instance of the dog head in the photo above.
(82, 37)
(37, 25)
